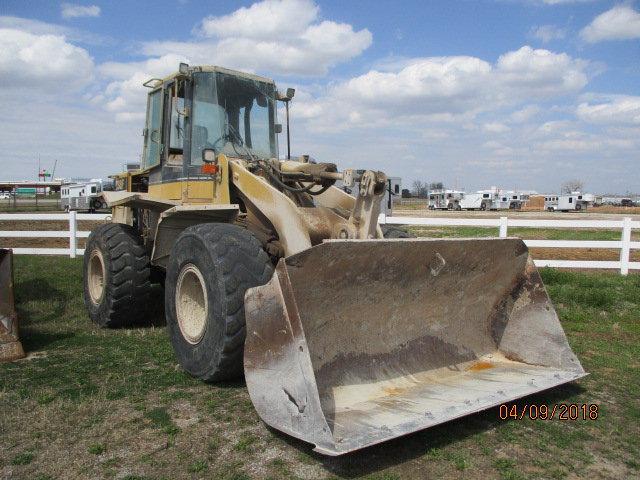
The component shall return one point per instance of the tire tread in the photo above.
(129, 274)
(243, 264)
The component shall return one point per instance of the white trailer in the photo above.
(566, 203)
(445, 199)
(482, 200)
(501, 202)
(85, 196)
(517, 200)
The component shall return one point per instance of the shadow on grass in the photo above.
(39, 290)
(34, 341)
(154, 311)
(32, 337)
(409, 447)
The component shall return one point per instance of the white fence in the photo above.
(625, 245)
(73, 234)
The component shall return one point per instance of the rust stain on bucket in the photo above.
(392, 391)
(480, 366)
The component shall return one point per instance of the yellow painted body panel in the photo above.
(215, 191)
(189, 191)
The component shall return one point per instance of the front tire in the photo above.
(116, 276)
(210, 269)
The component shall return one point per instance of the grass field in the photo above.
(93, 403)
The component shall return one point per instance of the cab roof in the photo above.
(209, 68)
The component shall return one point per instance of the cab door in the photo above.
(153, 131)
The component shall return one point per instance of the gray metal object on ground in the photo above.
(10, 346)
(354, 342)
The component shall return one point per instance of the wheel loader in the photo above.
(345, 338)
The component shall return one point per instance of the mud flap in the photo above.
(10, 346)
(354, 342)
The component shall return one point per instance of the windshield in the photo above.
(231, 114)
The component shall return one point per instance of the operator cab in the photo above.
(200, 108)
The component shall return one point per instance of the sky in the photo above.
(519, 94)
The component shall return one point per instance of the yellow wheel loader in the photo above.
(346, 338)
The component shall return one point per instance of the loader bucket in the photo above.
(10, 346)
(354, 342)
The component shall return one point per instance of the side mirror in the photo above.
(277, 128)
(208, 155)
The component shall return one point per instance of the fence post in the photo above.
(503, 227)
(73, 230)
(626, 246)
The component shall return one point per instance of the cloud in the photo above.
(33, 26)
(496, 127)
(611, 110)
(125, 95)
(278, 37)
(620, 23)
(71, 10)
(266, 20)
(446, 89)
(564, 2)
(85, 141)
(42, 61)
(37, 27)
(540, 73)
(282, 37)
(524, 114)
(548, 33)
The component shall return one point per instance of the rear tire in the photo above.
(210, 269)
(116, 276)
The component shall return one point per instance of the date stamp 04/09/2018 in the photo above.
(558, 411)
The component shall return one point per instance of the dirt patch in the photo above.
(617, 210)
(40, 225)
(580, 254)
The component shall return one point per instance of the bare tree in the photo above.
(574, 185)
(419, 189)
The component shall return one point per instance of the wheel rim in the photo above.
(191, 304)
(96, 276)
